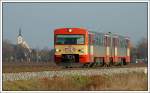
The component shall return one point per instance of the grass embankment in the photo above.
(130, 81)
(17, 69)
(10, 67)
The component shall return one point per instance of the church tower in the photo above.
(19, 37)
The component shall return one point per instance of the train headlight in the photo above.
(57, 50)
(70, 30)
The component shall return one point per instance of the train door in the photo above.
(107, 49)
(127, 50)
(115, 49)
(90, 46)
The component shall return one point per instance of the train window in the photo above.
(105, 40)
(69, 39)
(102, 40)
(113, 41)
(95, 40)
(90, 39)
(99, 42)
(109, 41)
(125, 44)
(122, 43)
(119, 43)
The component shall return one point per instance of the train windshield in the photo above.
(69, 39)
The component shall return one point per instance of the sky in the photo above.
(38, 20)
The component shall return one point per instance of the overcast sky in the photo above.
(38, 20)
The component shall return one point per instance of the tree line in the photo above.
(140, 51)
(14, 53)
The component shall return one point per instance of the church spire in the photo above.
(19, 32)
(19, 37)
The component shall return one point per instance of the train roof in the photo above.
(80, 28)
(93, 32)
(112, 34)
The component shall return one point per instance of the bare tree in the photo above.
(20, 53)
(133, 54)
(7, 51)
(142, 48)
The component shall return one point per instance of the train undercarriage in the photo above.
(72, 60)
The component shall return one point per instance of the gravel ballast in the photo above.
(63, 73)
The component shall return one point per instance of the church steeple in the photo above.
(19, 38)
(22, 42)
(19, 32)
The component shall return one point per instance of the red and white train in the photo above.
(80, 46)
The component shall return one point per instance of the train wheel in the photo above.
(107, 64)
(117, 64)
(99, 62)
(86, 65)
(111, 61)
(66, 67)
(92, 64)
(127, 63)
(124, 61)
(121, 63)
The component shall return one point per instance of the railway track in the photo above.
(29, 71)
(37, 67)
(98, 67)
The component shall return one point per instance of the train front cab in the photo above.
(71, 46)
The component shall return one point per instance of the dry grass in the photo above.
(130, 81)
(16, 69)
(27, 67)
